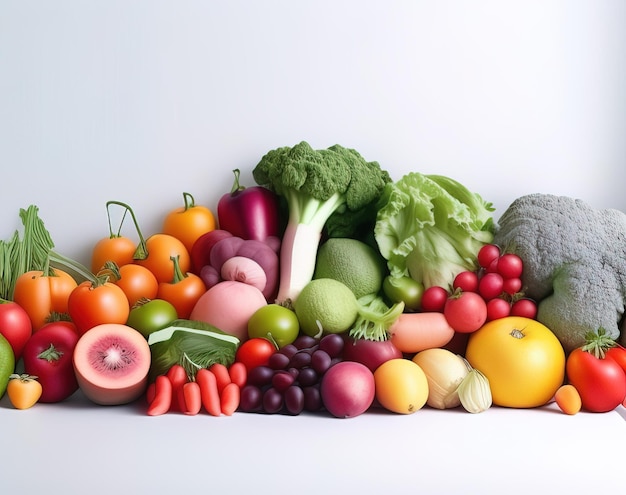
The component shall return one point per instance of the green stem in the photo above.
(119, 230)
(236, 185)
(179, 276)
(50, 354)
(189, 201)
(141, 252)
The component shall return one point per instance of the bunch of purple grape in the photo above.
(290, 383)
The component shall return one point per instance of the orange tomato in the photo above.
(42, 295)
(23, 390)
(160, 249)
(189, 222)
(118, 249)
(92, 304)
(183, 291)
(137, 282)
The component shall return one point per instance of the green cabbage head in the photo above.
(431, 227)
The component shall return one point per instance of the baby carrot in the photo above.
(230, 398)
(221, 373)
(238, 373)
(162, 396)
(208, 391)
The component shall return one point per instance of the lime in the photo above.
(354, 263)
(7, 363)
(329, 302)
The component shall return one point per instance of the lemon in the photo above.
(7, 363)
(328, 301)
(354, 263)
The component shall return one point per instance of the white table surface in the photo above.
(80, 447)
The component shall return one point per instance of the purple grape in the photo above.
(300, 359)
(304, 341)
(294, 400)
(307, 377)
(312, 398)
(332, 344)
(278, 361)
(320, 361)
(260, 376)
(288, 350)
(251, 399)
(272, 401)
(282, 380)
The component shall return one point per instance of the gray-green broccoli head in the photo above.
(574, 263)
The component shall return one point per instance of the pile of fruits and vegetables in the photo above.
(328, 287)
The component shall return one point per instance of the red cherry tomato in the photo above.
(466, 312)
(524, 307)
(255, 352)
(510, 265)
(487, 254)
(466, 281)
(498, 308)
(490, 285)
(434, 298)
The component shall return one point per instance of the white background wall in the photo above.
(139, 101)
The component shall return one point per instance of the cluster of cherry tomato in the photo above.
(493, 291)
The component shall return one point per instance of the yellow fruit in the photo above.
(401, 386)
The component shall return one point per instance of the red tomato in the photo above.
(90, 305)
(15, 325)
(48, 355)
(466, 281)
(466, 312)
(434, 298)
(255, 352)
(601, 382)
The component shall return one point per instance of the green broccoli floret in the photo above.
(574, 263)
(315, 184)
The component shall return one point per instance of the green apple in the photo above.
(7, 363)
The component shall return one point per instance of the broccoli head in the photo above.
(574, 263)
(315, 184)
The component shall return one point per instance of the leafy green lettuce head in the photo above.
(430, 227)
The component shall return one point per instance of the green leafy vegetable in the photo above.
(192, 344)
(430, 227)
(19, 255)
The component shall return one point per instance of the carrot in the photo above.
(568, 399)
(150, 392)
(162, 396)
(238, 373)
(208, 391)
(221, 373)
(414, 332)
(192, 398)
(178, 377)
(230, 398)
